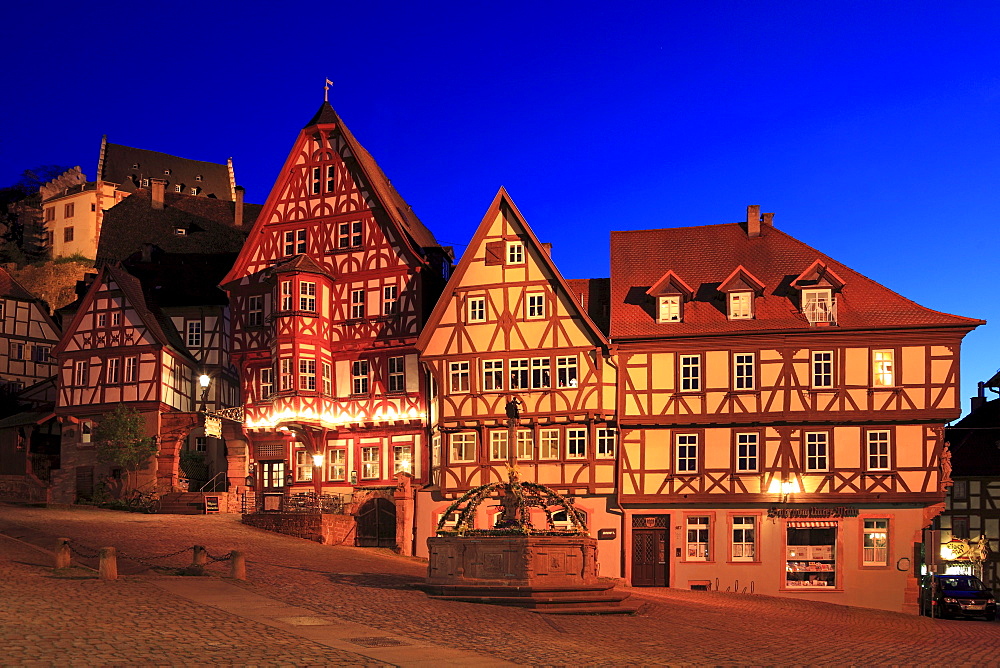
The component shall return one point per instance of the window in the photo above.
(2, 309)
(194, 191)
(525, 444)
(327, 379)
(286, 295)
(17, 351)
(476, 309)
(576, 443)
(687, 453)
(166, 172)
(307, 296)
(492, 375)
(303, 466)
(178, 188)
(349, 235)
(878, 451)
(397, 378)
(566, 371)
(116, 318)
(68, 210)
(266, 382)
(605, 443)
(822, 368)
(743, 371)
(390, 300)
(50, 214)
(875, 542)
(535, 305)
(290, 242)
(80, 373)
(668, 309)
(740, 305)
(331, 178)
(746, 452)
(67, 234)
(498, 445)
(180, 231)
(86, 431)
(960, 490)
(131, 369)
(519, 374)
(817, 451)
(459, 376)
(540, 379)
(883, 371)
(255, 317)
(201, 443)
(359, 377)
(818, 305)
(690, 373)
(307, 374)
(463, 447)
(113, 373)
(744, 537)
(337, 467)
(317, 174)
(145, 183)
(357, 304)
(548, 444)
(102, 319)
(194, 334)
(515, 252)
(697, 538)
(959, 527)
(810, 554)
(370, 465)
(301, 242)
(402, 459)
(286, 374)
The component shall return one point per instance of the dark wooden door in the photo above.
(376, 523)
(651, 552)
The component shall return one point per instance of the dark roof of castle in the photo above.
(127, 167)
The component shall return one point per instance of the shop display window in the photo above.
(811, 555)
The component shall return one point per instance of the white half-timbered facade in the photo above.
(27, 336)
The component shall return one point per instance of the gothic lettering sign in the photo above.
(837, 511)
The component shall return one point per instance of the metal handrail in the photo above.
(213, 483)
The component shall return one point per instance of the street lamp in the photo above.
(204, 380)
(318, 473)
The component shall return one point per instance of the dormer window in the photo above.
(817, 286)
(145, 183)
(740, 288)
(166, 172)
(669, 294)
(180, 232)
(740, 305)
(178, 188)
(198, 178)
(135, 165)
(819, 305)
(668, 308)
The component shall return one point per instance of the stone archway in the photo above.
(174, 431)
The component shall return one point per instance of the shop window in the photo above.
(698, 534)
(875, 542)
(810, 554)
(744, 538)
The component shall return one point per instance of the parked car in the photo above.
(957, 596)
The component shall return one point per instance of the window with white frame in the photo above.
(113, 371)
(690, 380)
(349, 235)
(303, 466)
(193, 334)
(743, 371)
(370, 465)
(492, 375)
(463, 447)
(390, 300)
(80, 373)
(307, 296)
(499, 445)
(317, 180)
(307, 374)
(131, 369)
(359, 377)
(116, 318)
(534, 305)
(40, 353)
(818, 305)
(255, 311)
(286, 374)
(605, 446)
(817, 451)
(540, 378)
(475, 309)
(697, 537)
(687, 453)
(515, 252)
(459, 375)
(102, 319)
(747, 452)
(576, 443)
(740, 305)
(436, 451)
(337, 465)
(327, 378)
(402, 459)
(525, 444)
(548, 444)
(357, 304)
(822, 368)
(16, 350)
(519, 374)
(883, 369)
(286, 295)
(875, 542)
(566, 371)
(290, 241)
(668, 308)
(301, 242)
(744, 537)
(397, 375)
(266, 382)
(878, 450)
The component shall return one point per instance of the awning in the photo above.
(811, 524)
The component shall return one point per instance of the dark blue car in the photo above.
(957, 596)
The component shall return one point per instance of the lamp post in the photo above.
(204, 380)
(318, 474)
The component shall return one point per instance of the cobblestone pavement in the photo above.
(47, 619)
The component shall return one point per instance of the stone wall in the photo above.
(23, 489)
(326, 529)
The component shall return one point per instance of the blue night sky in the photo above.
(870, 129)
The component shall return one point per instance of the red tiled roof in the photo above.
(705, 256)
(12, 289)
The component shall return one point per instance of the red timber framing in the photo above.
(328, 297)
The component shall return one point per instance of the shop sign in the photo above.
(836, 511)
(606, 534)
(213, 427)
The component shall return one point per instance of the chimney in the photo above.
(238, 216)
(768, 219)
(547, 248)
(978, 401)
(753, 220)
(157, 187)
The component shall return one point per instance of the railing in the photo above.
(215, 481)
(821, 310)
(302, 502)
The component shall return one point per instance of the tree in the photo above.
(119, 440)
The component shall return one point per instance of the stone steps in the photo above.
(182, 503)
(579, 600)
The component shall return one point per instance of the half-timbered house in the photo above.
(781, 416)
(509, 328)
(27, 336)
(328, 297)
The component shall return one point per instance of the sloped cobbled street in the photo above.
(309, 604)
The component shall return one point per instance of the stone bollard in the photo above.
(108, 568)
(237, 566)
(64, 558)
(199, 556)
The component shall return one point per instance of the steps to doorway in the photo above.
(182, 503)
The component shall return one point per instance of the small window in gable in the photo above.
(669, 294)
(668, 308)
(515, 252)
(818, 285)
(740, 305)
(178, 188)
(740, 288)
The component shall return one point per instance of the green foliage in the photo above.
(75, 257)
(119, 439)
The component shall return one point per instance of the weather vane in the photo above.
(326, 90)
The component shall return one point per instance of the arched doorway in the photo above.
(376, 524)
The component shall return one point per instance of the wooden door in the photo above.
(376, 524)
(651, 551)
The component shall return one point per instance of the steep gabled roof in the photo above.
(301, 263)
(11, 289)
(818, 275)
(671, 283)
(127, 166)
(707, 255)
